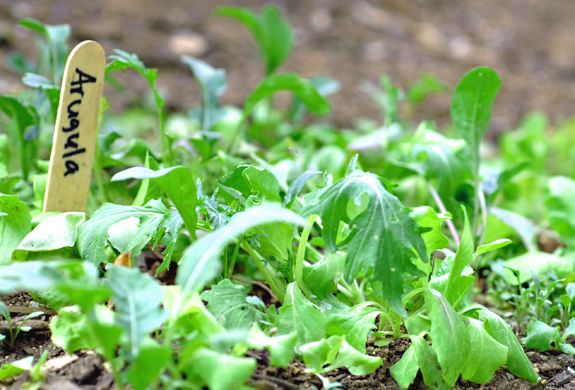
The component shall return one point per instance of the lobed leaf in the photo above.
(137, 299)
(382, 234)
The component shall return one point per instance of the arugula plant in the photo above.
(14, 331)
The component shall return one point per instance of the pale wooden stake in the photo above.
(75, 135)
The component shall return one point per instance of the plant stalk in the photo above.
(269, 274)
(442, 208)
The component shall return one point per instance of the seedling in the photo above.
(13, 333)
(76, 128)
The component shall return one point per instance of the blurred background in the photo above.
(530, 44)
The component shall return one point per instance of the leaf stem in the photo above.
(442, 208)
(298, 271)
(230, 267)
(237, 132)
(477, 188)
(268, 273)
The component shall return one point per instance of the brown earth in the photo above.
(528, 42)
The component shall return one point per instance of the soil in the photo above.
(528, 42)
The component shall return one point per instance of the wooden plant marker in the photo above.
(76, 130)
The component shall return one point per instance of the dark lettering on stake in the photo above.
(71, 167)
(73, 153)
(74, 123)
(84, 78)
(76, 86)
(70, 143)
(72, 113)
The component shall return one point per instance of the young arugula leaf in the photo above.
(93, 233)
(524, 227)
(213, 84)
(147, 366)
(13, 369)
(52, 92)
(472, 102)
(281, 348)
(540, 336)
(218, 214)
(449, 335)
(169, 229)
(200, 264)
(382, 236)
(517, 362)
(336, 352)
(207, 368)
(560, 207)
(493, 183)
(177, 183)
(137, 298)
(123, 60)
(300, 315)
(53, 233)
(539, 262)
(485, 356)
(463, 258)
(323, 277)
(15, 224)
(354, 325)
(427, 217)
(71, 331)
(302, 88)
(418, 356)
(405, 370)
(57, 51)
(272, 33)
(492, 246)
(228, 302)
(298, 185)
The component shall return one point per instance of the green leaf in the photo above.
(177, 183)
(560, 207)
(524, 227)
(210, 366)
(300, 315)
(540, 336)
(354, 325)
(281, 348)
(262, 182)
(297, 185)
(449, 335)
(15, 224)
(405, 370)
(169, 228)
(485, 356)
(54, 232)
(539, 262)
(228, 303)
(213, 84)
(383, 236)
(517, 362)
(492, 246)
(52, 92)
(336, 352)
(71, 331)
(472, 102)
(429, 364)
(148, 365)
(137, 298)
(356, 362)
(92, 234)
(302, 88)
(463, 258)
(427, 217)
(200, 262)
(41, 275)
(323, 277)
(10, 370)
(272, 33)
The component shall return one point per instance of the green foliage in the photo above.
(272, 33)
